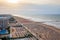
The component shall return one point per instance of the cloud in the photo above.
(43, 1)
(39, 1)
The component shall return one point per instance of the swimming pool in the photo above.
(2, 32)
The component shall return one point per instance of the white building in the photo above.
(3, 22)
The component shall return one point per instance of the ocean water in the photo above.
(49, 19)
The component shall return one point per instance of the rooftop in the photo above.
(5, 15)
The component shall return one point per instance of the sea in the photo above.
(49, 19)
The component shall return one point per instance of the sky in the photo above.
(38, 1)
(31, 7)
(44, 1)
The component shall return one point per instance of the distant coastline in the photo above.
(49, 22)
(38, 28)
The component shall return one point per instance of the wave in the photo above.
(33, 18)
(48, 22)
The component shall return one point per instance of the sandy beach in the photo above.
(39, 30)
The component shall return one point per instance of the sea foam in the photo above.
(48, 22)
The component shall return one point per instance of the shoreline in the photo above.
(45, 23)
(39, 29)
(49, 22)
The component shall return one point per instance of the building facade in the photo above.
(4, 22)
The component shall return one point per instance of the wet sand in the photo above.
(39, 30)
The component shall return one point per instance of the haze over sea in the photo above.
(49, 14)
